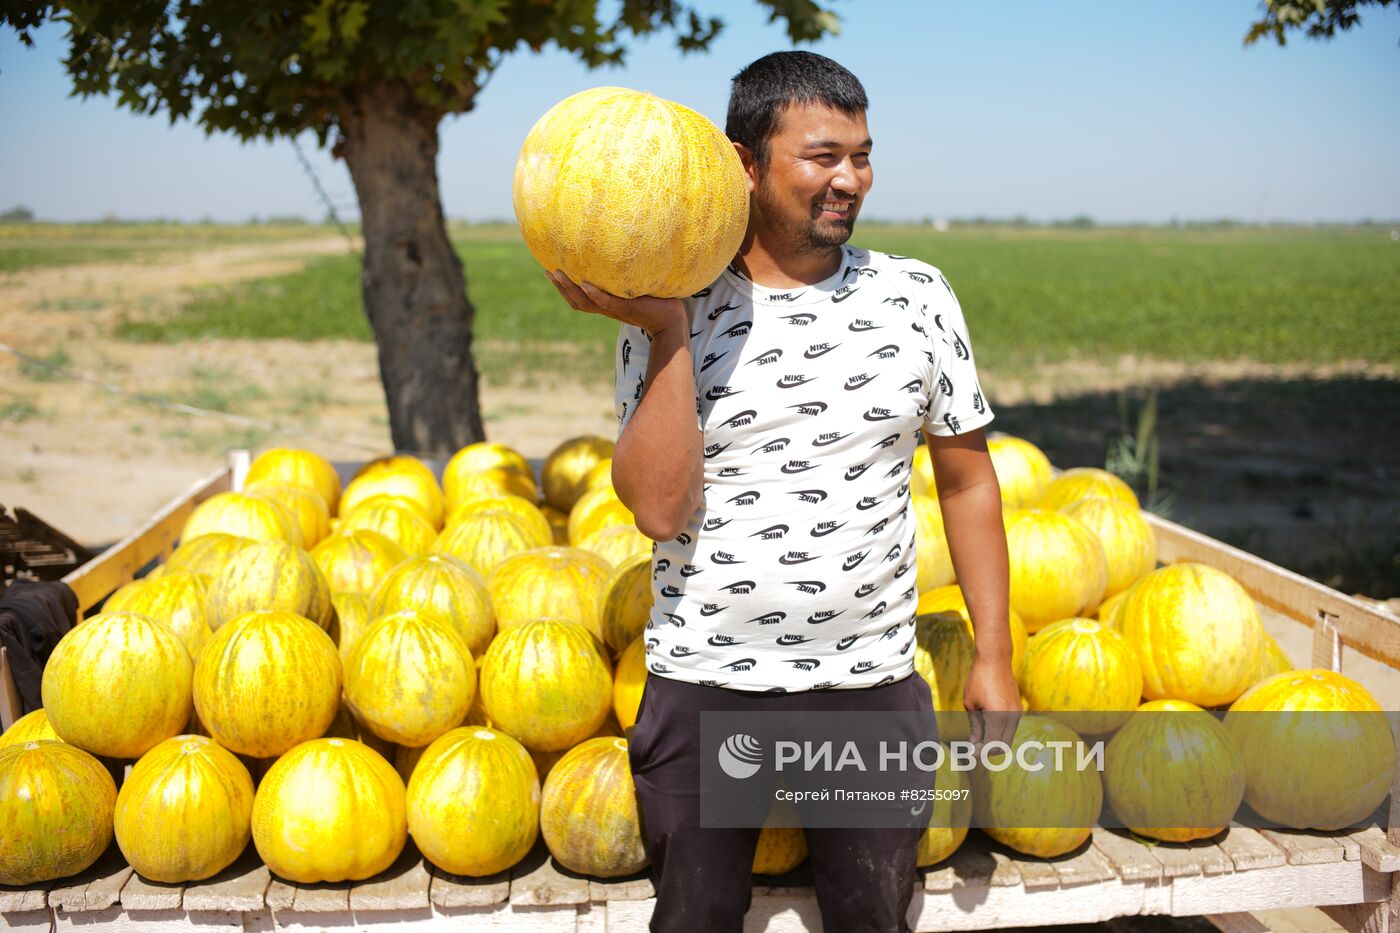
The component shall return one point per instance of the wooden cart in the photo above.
(1352, 876)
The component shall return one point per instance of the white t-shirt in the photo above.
(797, 571)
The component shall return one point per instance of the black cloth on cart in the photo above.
(34, 615)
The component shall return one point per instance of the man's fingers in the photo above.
(574, 295)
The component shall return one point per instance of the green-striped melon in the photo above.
(546, 683)
(588, 811)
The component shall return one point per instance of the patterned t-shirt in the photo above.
(797, 572)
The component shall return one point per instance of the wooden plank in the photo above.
(1036, 874)
(1247, 849)
(1327, 643)
(631, 888)
(455, 891)
(1305, 848)
(1132, 860)
(98, 888)
(140, 894)
(241, 887)
(1241, 922)
(326, 897)
(31, 921)
(280, 895)
(1277, 888)
(1362, 918)
(1088, 866)
(1184, 859)
(403, 886)
(1377, 852)
(10, 706)
(977, 863)
(14, 900)
(538, 881)
(119, 563)
(1362, 627)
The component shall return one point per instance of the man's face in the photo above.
(816, 177)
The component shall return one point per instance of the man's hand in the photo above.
(653, 315)
(991, 688)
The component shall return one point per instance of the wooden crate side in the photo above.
(117, 565)
(9, 693)
(1359, 626)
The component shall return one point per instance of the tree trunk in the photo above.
(415, 292)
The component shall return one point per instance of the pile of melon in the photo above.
(325, 671)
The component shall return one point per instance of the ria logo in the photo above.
(854, 561)
(805, 664)
(888, 352)
(741, 755)
(771, 618)
(855, 382)
(799, 320)
(861, 325)
(711, 359)
(792, 638)
(810, 495)
(810, 587)
(773, 446)
(819, 349)
(879, 414)
(724, 557)
(796, 557)
(810, 408)
(798, 466)
(745, 498)
(793, 380)
(826, 615)
(719, 392)
(823, 529)
(854, 473)
(771, 533)
(742, 418)
(763, 359)
(722, 309)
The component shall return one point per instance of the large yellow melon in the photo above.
(568, 464)
(351, 619)
(597, 509)
(1084, 668)
(484, 455)
(588, 811)
(400, 520)
(243, 516)
(1173, 772)
(617, 544)
(1030, 804)
(1129, 546)
(409, 678)
(266, 682)
(1196, 632)
(346, 726)
(949, 816)
(950, 599)
(1272, 660)
(117, 685)
(355, 559)
(631, 192)
(626, 603)
(921, 480)
(474, 802)
(497, 481)
(546, 683)
(1085, 483)
(558, 523)
(31, 727)
(270, 576)
(443, 589)
(599, 475)
(400, 476)
(935, 561)
(329, 810)
(483, 539)
(780, 849)
(205, 554)
(943, 655)
(1023, 471)
(185, 812)
(519, 505)
(56, 805)
(559, 582)
(176, 600)
(303, 504)
(629, 680)
(1318, 750)
(299, 468)
(1058, 570)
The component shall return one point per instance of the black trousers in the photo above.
(864, 877)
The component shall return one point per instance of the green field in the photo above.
(38, 245)
(1281, 295)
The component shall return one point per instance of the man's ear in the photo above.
(750, 163)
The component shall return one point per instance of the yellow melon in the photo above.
(1084, 483)
(525, 508)
(205, 554)
(588, 811)
(780, 849)
(1058, 569)
(56, 805)
(943, 655)
(351, 619)
(269, 576)
(176, 600)
(626, 603)
(31, 727)
(442, 589)
(934, 561)
(400, 476)
(921, 481)
(485, 539)
(243, 516)
(497, 481)
(398, 519)
(1129, 545)
(596, 509)
(566, 466)
(559, 582)
(633, 193)
(617, 544)
(1084, 669)
(303, 504)
(950, 814)
(355, 559)
(1023, 471)
(546, 683)
(628, 682)
(299, 468)
(950, 599)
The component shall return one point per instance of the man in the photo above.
(784, 569)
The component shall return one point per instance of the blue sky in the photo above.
(1123, 110)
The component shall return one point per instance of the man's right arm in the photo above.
(658, 465)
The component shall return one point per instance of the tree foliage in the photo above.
(263, 69)
(1319, 19)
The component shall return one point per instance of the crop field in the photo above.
(1269, 357)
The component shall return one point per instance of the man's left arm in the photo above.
(970, 498)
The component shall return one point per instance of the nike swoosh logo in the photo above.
(787, 468)
(839, 296)
(823, 532)
(689, 571)
(712, 361)
(863, 328)
(812, 356)
(719, 392)
(827, 443)
(802, 380)
(885, 417)
(707, 611)
(855, 382)
(791, 562)
(721, 309)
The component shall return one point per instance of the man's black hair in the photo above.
(759, 93)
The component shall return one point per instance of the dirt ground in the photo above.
(1300, 465)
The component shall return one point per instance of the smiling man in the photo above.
(784, 572)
